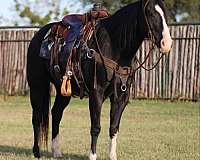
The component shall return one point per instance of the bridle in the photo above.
(150, 33)
(151, 36)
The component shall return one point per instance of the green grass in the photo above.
(150, 130)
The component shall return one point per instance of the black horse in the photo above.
(119, 37)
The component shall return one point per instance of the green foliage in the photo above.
(39, 12)
(111, 5)
(179, 10)
(184, 10)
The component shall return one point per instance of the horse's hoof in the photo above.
(112, 157)
(57, 154)
(37, 155)
(92, 156)
(36, 152)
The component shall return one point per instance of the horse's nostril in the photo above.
(162, 43)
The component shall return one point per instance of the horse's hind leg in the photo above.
(39, 97)
(57, 112)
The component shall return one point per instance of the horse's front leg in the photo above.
(117, 108)
(95, 105)
(57, 112)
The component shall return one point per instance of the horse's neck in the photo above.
(104, 43)
(110, 48)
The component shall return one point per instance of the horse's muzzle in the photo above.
(166, 45)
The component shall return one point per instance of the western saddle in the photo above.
(56, 39)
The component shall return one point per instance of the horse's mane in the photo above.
(121, 26)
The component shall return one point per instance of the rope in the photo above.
(141, 64)
(145, 60)
(148, 69)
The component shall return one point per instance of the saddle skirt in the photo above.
(66, 33)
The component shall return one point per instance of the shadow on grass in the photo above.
(16, 151)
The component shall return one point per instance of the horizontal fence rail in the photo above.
(177, 76)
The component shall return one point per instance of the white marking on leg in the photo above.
(92, 156)
(166, 42)
(55, 148)
(113, 147)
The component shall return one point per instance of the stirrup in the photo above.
(66, 90)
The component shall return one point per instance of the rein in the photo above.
(148, 69)
(124, 71)
(141, 64)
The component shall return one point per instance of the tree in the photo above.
(179, 10)
(111, 5)
(39, 12)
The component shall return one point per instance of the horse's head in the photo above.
(156, 20)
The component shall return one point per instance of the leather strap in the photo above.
(122, 71)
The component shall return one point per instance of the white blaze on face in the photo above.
(113, 147)
(166, 42)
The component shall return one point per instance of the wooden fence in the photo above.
(13, 52)
(176, 77)
(178, 74)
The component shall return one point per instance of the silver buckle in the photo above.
(69, 73)
(123, 87)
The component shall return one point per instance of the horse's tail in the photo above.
(44, 123)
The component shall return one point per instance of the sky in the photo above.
(7, 10)
(6, 7)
